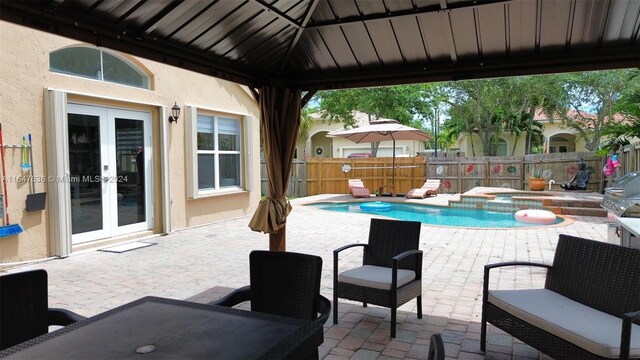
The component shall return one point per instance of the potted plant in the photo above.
(536, 181)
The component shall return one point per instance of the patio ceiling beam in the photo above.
(394, 15)
(64, 22)
(601, 59)
(255, 93)
(306, 98)
(299, 31)
(277, 12)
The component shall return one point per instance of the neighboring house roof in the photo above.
(578, 117)
(542, 117)
(360, 118)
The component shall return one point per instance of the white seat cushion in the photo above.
(376, 277)
(590, 329)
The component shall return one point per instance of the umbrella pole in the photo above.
(393, 173)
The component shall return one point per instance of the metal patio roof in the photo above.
(321, 44)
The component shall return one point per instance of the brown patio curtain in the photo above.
(280, 108)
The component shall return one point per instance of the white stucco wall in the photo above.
(24, 76)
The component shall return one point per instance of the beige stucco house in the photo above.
(557, 139)
(319, 145)
(112, 165)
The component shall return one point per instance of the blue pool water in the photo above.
(435, 215)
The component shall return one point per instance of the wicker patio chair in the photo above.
(285, 284)
(24, 310)
(599, 276)
(436, 348)
(391, 271)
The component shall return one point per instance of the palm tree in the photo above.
(306, 122)
(621, 133)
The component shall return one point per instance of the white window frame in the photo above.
(245, 139)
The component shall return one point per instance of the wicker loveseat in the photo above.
(588, 309)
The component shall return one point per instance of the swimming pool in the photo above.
(436, 215)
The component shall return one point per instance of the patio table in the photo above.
(175, 329)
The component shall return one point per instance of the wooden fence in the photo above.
(629, 159)
(458, 174)
(297, 180)
(326, 176)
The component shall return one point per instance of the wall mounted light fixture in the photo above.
(175, 113)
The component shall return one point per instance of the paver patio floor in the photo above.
(203, 263)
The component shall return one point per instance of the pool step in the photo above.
(572, 203)
(575, 207)
(584, 211)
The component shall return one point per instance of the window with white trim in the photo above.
(219, 161)
(220, 148)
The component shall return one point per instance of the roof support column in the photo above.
(280, 111)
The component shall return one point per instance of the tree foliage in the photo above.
(623, 132)
(392, 102)
(593, 98)
(397, 102)
(585, 102)
(306, 122)
(490, 108)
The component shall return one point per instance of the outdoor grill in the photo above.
(623, 201)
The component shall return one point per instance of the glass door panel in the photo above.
(130, 177)
(86, 133)
(85, 164)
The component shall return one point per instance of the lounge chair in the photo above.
(430, 187)
(357, 189)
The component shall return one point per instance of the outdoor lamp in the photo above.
(175, 113)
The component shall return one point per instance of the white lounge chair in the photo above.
(357, 189)
(430, 187)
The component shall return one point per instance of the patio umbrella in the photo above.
(382, 130)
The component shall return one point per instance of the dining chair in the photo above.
(24, 309)
(391, 271)
(285, 284)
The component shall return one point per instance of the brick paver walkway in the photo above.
(203, 263)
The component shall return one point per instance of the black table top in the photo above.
(177, 330)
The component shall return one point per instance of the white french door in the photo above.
(110, 171)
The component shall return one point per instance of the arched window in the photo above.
(98, 64)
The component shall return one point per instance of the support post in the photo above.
(278, 241)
